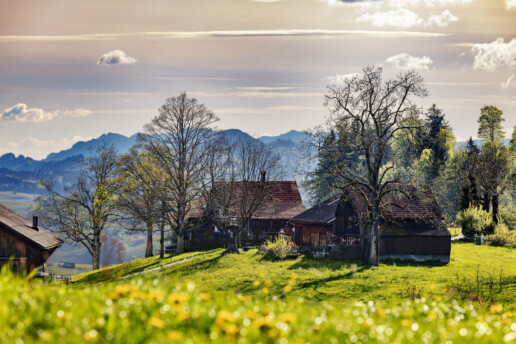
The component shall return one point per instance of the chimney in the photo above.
(264, 173)
(35, 221)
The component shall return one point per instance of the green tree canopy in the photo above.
(490, 124)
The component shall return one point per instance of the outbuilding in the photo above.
(24, 243)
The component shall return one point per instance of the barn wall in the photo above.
(415, 245)
(312, 234)
(26, 255)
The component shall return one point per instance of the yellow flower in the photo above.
(155, 295)
(256, 283)
(263, 322)
(251, 315)
(265, 290)
(261, 274)
(156, 322)
(268, 283)
(406, 323)
(380, 313)
(287, 317)
(231, 330)
(225, 315)
(138, 295)
(124, 289)
(292, 281)
(432, 315)
(178, 298)
(497, 308)
(183, 316)
(174, 335)
(293, 276)
(287, 289)
(205, 296)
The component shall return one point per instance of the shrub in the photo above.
(278, 247)
(502, 236)
(474, 221)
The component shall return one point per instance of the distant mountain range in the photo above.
(22, 174)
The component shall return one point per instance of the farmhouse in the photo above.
(282, 202)
(411, 225)
(26, 244)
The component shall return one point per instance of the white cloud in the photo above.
(510, 4)
(115, 57)
(21, 113)
(442, 20)
(340, 79)
(507, 82)
(406, 61)
(401, 18)
(494, 55)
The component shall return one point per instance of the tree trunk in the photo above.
(180, 243)
(96, 251)
(162, 242)
(373, 241)
(486, 200)
(149, 250)
(495, 209)
(231, 243)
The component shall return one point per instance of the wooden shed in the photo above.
(24, 243)
(411, 225)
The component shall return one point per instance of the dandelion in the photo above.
(205, 297)
(287, 317)
(174, 335)
(231, 330)
(156, 322)
(155, 295)
(224, 316)
(497, 308)
(138, 295)
(380, 313)
(61, 315)
(251, 315)
(265, 290)
(287, 289)
(432, 315)
(406, 323)
(178, 298)
(263, 322)
(256, 283)
(268, 283)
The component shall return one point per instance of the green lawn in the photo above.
(245, 298)
(323, 279)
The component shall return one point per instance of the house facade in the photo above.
(24, 243)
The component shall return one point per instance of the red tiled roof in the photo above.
(18, 224)
(283, 200)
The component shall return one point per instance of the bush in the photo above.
(502, 236)
(474, 221)
(279, 247)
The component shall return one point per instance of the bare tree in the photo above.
(365, 114)
(83, 210)
(240, 187)
(179, 139)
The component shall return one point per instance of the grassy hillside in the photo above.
(322, 279)
(246, 299)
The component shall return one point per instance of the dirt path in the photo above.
(160, 267)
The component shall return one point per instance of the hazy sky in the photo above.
(71, 70)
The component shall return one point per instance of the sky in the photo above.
(72, 70)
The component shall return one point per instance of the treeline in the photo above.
(182, 174)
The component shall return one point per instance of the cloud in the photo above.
(115, 57)
(21, 113)
(406, 61)
(340, 79)
(494, 55)
(507, 82)
(510, 4)
(401, 18)
(222, 34)
(364, 4)
(442, 20)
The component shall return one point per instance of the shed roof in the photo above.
(323, 212)
(403, 201)
(23, 227)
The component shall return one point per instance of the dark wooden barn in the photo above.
(283, 202)
(24, 243)
(411, 225)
